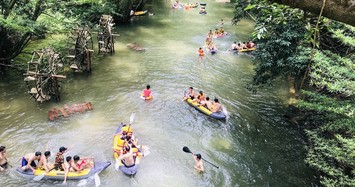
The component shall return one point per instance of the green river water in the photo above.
(255, 146)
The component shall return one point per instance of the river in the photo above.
(255, 146)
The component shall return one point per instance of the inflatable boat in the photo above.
(247, 50)
(215, 115)
(59, 175)
(131, 170)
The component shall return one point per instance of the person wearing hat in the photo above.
(59, 159)
(198, 162)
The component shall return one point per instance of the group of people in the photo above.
(241, 46)
(72, 164)
(202, 100)
(127, 147)
(210, 46)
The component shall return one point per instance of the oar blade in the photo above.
(117, 164)
(186, 149)
(131, 119)
(39, 177)
(97, 180)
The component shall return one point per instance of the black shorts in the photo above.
(4, 165)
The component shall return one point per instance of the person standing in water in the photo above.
(3, 158)
(200, 54)
(198, 163)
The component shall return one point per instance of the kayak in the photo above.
(220, 35)
(59, 175)
(126, 170)
(192, 5)
(215, 115)
(247, 50)
(140, 13)
(146, 98)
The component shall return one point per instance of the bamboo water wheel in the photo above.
(42, 77)
(105, 37)
(80, 47)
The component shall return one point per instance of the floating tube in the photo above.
(59, 175)
(215, 115)
(146, 98)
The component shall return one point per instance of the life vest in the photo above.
(201, 97)
(118, 143)
(200, 52)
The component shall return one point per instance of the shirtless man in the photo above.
(207, 103)
(3, 158)
(198, 163)
(234, 46)
(128, 158)
(67, 168)
(43, 161)
(190, 94)
(217, 107)
(28, 161)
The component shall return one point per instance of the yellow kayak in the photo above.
(59, 175)
(215, 115)
(247, 50)
(131, 170)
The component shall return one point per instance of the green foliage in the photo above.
(334, 73)
(278, 32)
(284, 38)
(332, 149)
(345, 33)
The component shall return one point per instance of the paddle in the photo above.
(97, 180)
(131, 119)
(187, 150)
(40, 177)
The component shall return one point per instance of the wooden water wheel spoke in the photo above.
(79, 43)
(105, 37)
(43, 65)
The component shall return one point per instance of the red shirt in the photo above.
(147, 92)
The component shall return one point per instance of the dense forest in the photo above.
(314, 51)
(318, 54)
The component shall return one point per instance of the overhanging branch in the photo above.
(340, 10)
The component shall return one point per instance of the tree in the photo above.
(18, 25)
(291, 41)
